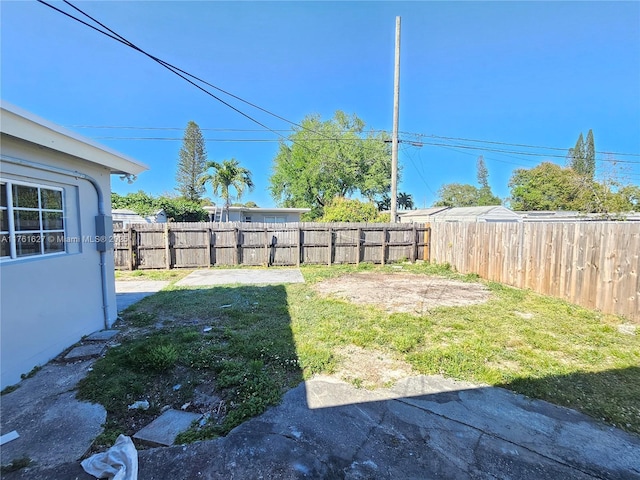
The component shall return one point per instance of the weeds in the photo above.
(269, 338)
(9, 389)
(15, 465)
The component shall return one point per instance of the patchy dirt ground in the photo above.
(370, 369)
(403, 292)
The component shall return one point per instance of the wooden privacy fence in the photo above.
(593, 264)
(190, 245)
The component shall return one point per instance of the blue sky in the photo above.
(534, 73)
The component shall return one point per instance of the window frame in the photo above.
(41, 232)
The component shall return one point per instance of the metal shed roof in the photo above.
(495, 213)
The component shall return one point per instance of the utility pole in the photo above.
(394, 140)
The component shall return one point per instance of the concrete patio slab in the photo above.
(164, 429)
(205, 278)
(84, 351)
(102, 335)
(423, 427)
(54, 428)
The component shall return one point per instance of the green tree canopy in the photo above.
(551, 187)
(342, 209)
(191, 164)
(545, 187)
(177, 208)
(465, 195)
(404, 201)
(328, 159)
(458, 195)
(228, 174)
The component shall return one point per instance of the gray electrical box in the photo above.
(104, 233)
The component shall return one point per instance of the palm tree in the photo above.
(227, 174)
(405, 201)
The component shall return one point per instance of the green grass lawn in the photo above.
(264, 340)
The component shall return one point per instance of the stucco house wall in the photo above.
(48, 302)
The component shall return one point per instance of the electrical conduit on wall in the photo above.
(101, 212)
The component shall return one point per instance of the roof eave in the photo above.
(28, 127)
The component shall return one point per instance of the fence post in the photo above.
(266, 247)
(358, 247)
(329, 256)
(299, 247)
(384, 244)
(132, 236)
(167, 247)
(236, 250)
(427, 243)
(209, 235)
(414, 246)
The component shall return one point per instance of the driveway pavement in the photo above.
(129, 292)
(202, 278)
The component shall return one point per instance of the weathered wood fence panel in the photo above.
(192, 245)
(594, 264)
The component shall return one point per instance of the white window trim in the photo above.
(12, 232)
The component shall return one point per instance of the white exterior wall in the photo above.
(49, 302)
(259, 217)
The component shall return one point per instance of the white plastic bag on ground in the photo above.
(120, 462)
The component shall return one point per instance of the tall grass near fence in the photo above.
(593, 264)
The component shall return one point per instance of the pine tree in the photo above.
(590, 157)
(483, 173)
(485, 195)
(191, 164)
(582, 157)
(577, 157)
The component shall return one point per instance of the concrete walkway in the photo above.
(129, 292)
(423, 427)
(204, 278)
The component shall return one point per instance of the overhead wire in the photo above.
(183, 74)
(177, 71)
(404, 140)
(510, 144)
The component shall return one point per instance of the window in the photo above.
(31, 220)
(247, 219)
(274, 219)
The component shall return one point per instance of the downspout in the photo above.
(101, 211)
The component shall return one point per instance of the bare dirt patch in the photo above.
(370, 369)
(403, 293)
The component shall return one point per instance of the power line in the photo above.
(416, 143)
(237, 140)
(512, 144)
(177, 71)
(419, 172)
(531, 154)
(184, 74)
(183, 71)
(364, 141)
